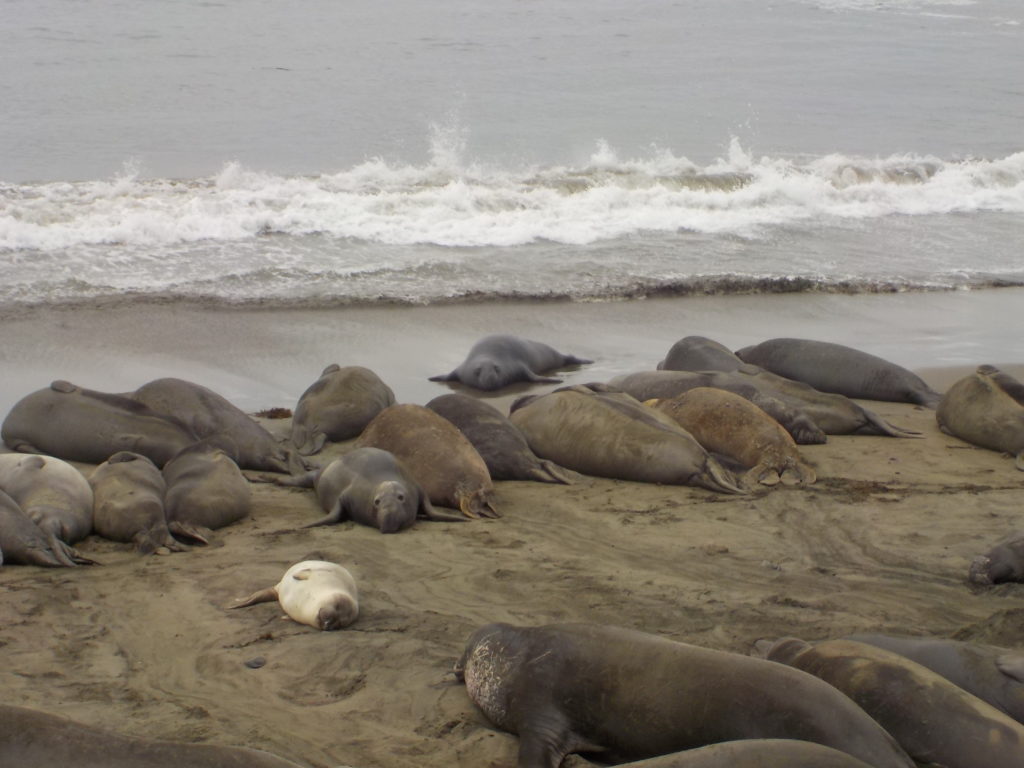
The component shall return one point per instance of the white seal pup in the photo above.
(313, 592)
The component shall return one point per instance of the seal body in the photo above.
(21, 541)
(439, 457)
(314, 592)
(205, 489)
(78, 424)
(128, 502)
(837, 368)
(1004, 562)
(628, 695)
(338, 406)
(986, 409)
(54, 495)
(498, 441)
(613, 435)
(932, 719)
(699, 353)
(733, 426)
(755, 753)
(497, 361)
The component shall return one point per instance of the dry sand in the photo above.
(145, 646)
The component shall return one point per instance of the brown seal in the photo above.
(986, 409)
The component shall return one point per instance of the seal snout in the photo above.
(338, 614)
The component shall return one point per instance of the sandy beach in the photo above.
(146, 647)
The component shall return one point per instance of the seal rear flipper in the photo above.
(148, 542)
(715, 477)
(798, 473)
(453, 376)
(875, 425)
(477, 504)
(260, 596)
(762, 474)
(189, 531)
(1012, 665)
(549, 472)
(430, 512)
(306, 480)
(545, 745)
(67, 554)
(1019, 461)
(573, 360)
(538, 379)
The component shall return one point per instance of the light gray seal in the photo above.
(78, 424)
(21, 541)
(338, 406)
(837, 368)
(699, 353)
(33, 739)
(371, 487)
(986, 409)
(500, 442)
(755, 753)
(209, 414)
(128, 503)
(932, 719)
(627, 695)
(56, 497)
(499, 360)
(1004, 562)
(205, 489)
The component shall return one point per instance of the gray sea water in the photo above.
(328, 153)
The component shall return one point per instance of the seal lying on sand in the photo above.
(33, 739)
(499, 360)
(499, 442)
(837, 368)
(628, 695)
(699, 353)
(755, 753)
(371, 487)
(986, 409)
(338, 406)
(205, 489)
(932, 719)
(21, 541)
(78, 424)
(314, 592)
(1004, 562)
(613, 435)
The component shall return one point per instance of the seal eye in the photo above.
(376, 502)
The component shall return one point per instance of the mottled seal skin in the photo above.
(209, 414)
(993, 674)
(338, 406)
(755, 753)
(1004, 562)
(33, 739)
(986, 409)
(205, 489)
(837, 368)
(55, 496)
(497, 361)
(371, 487)
(21, 541)
(932, 719)
(128, 503)
(613, 435)
(78, 424)
(314, 592)
(699, 353)
(731, 425)
(498, 441)
(437, 454)
(627, 695)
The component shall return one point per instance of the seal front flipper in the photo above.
(261, 596)
(538, 379)
(337, 514)
(546, 744)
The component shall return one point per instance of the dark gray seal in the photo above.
(497, 361)
(209, 414)
(699, 353)
(33, 739)
(338, 406)
(56, 497)
(627, 695)
(993, 674)
(22, 542)
(986, 409)
(932, 719)
(78, 424)
(500, 442)
(755, 753)
(837, 368)
(128, 503)
(371, 487)
(1004, 562)
(205, 489)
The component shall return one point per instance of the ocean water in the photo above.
(329, 154)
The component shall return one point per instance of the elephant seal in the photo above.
(699, 353)
(993, 674)
(437, 455)
(371, 487)
(932, 719)
(1004, 562)
(986, 409)
(837, 368)
(314, 592)
(338, 406)
(205, 489)
(128, 503)
(613, 435)
(55, 496)
(21, 541)
(497, 361)
(628, 695)
(33, 739)
(755, 753)
(78, 424)
(733, 426)
(499, 442)
(209, 414)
